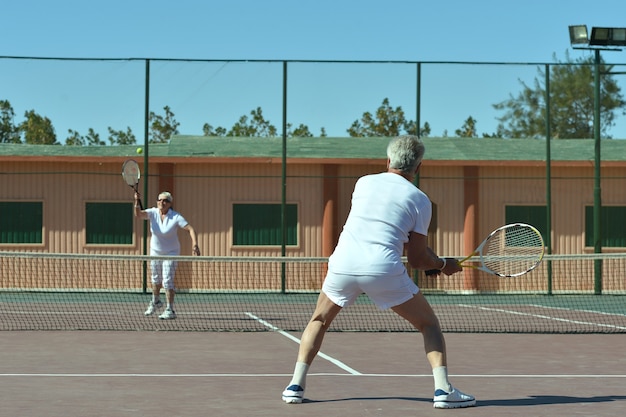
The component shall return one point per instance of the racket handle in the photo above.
(432, 272)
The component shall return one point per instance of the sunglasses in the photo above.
(164, 200)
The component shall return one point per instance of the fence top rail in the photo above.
(290, 259)
(303, 61)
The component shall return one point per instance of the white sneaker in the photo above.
(152, 307)
(293, 394)
(168, 315)
(452, 399)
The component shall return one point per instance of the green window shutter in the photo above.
(612, 224)
(260, 224)
(109, 223)
(534, 215)
(21, 222)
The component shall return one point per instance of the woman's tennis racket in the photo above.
(509, 251)
(131, 175)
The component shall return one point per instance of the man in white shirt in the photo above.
(389, 215)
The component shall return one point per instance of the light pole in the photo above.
(600, 39)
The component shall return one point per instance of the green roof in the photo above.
(451, 149)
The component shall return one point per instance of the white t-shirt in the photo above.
(385, 208)
(164, 240)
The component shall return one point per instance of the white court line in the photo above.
(601, 313)
(295, 339)
(540, 316)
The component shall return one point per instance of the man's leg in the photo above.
(420, 314)
(310, 344)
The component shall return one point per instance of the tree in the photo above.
(209, 130)
(76, 139)
(93, 138)
(162, 128)
(9, 132)
(255, 126)
(468, 130)
(119, 137)
(386, 122)
(38, 129)
(302, 131)
(411, 128)
(571, 103)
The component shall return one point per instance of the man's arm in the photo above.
(422, 257)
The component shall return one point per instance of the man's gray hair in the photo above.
(405, 153)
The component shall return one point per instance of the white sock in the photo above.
(299, 374)
(441, 379)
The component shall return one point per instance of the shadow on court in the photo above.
(549, 399)
(531, 401)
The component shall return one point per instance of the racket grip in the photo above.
(432, 272)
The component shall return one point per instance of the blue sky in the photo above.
(80, 95)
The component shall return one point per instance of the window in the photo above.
(21, 222)
(612, 226)
(534, 215)
(109, 223)
(260, 224)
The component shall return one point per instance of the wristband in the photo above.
(444, 263)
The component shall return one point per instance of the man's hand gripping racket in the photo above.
(131, 175)
(509, 251)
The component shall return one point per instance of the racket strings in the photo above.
(513, 250)
(130, 173)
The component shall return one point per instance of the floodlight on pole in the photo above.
(578, 35)
(608, 37)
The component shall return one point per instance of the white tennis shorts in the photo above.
(384, 290)
(163, 273)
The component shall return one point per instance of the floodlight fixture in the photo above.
(578, 34)
(607, 37)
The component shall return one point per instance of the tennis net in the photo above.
(41, 291)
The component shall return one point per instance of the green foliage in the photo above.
(91, 139)
(468, 130)
(119, 137)
(386, 122)
(9, 132)
(571, 103)
(162, 128)
(302, 131)
(74, 139)
(38, 129)
(209, 130)
(257, 126)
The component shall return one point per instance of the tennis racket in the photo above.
(509, 251)
(131, 175)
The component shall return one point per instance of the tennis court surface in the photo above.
(75, 342)
(122, 373)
